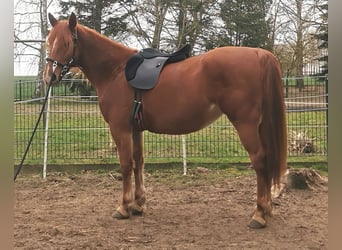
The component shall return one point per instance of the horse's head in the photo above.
(61, 48)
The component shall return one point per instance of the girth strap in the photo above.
(137, 118)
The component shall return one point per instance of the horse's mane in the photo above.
(96, 35)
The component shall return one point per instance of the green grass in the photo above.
(25, 88)
(307, 81)
(217, 144)
(24, 78)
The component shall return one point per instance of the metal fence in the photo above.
(78, 134)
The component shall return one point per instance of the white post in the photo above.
(184, 155)
(46, 134)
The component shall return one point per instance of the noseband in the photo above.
(65, 67)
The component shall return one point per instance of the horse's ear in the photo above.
(72, 22)
(53, 20)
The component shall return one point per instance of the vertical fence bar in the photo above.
(326, 111)
(184, 154)
(46, 134)
(20, 96)
(286, 87)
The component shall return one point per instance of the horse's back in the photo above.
(243, 61)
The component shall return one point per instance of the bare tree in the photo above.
(43, 32)
(146, 20)
(160, 8)
(168, 25)
(273, 16)
(193, 17)
(30, 31)
(294, 24)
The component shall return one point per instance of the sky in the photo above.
(24, 14)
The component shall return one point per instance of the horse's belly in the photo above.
(183, 120)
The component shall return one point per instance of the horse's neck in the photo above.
(100, 57)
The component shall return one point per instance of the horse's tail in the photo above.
(273, 129)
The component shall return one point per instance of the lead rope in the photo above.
(65, 69)
(33, 133)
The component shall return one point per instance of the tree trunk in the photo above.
(182, 24)
(40, 90)
(299, 46)
(97, 15)
(160, 12)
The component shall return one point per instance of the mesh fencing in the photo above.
(77, 132)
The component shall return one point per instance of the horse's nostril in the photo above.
(53, 77)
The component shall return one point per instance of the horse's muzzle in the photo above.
(51, 79)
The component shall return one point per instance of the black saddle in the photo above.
(143, 69)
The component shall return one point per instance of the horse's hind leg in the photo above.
(249, 135)
(139, 196)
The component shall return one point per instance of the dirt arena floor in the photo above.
(207, 209)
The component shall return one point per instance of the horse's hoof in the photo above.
(257, 224)
(136, 210)
(120, 216)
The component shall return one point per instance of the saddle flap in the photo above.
(147, 74)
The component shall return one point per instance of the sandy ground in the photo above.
(199, 211)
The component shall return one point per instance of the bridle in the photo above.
(65, 67)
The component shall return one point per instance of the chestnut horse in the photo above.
(242, 83)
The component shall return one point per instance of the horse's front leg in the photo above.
(124, 146)
(139, 196)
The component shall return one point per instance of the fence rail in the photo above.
(77, 132)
